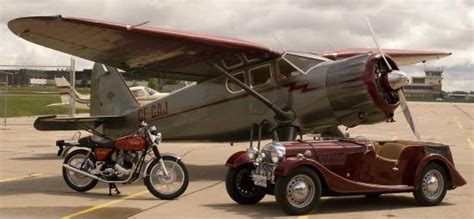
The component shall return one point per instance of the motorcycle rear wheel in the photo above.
(166, 187)
(77, 181)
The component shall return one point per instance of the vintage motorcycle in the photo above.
(122, 161)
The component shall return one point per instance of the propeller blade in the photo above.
(407, 113)
(397, 80)
(377, 44)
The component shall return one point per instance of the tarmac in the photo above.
(32, 186)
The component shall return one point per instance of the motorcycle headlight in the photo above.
(276, 151)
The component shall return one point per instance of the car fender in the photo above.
(287, 166)
(237, 159)
(452, 173)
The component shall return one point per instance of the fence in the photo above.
(4, 83)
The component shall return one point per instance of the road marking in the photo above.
(87, 210)
(394, 138)
(470, 142)
(303, 217)
(459, 125)
(31, 175)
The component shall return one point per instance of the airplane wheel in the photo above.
(240, 186)
(299, 192)
(75, 180)
(433, 185)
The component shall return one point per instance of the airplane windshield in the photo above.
(302, 63)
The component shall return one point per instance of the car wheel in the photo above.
(240, 186)
(299, 192)
(433, 185)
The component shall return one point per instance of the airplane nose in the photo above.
(397, 79)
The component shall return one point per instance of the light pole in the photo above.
(72, 103)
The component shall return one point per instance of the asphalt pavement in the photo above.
(32, 186)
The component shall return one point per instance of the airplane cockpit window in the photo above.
(232, 61)
(285, 70)
(260, 75)
(254, 57)
(302, 63)
(138, 93)
(233, 87)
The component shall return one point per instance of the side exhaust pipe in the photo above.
(69, 167)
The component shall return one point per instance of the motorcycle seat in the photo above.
(91, 142)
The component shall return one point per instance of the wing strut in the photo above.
(281, 116)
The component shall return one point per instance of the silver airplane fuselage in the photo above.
(330, 93)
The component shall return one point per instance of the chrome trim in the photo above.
(69, 167)
(177, 158)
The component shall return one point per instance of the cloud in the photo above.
(296, 25)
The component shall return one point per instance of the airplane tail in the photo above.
(110, 95)
(66, 92)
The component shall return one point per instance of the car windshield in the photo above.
(302, 62)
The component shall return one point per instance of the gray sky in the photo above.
(309, 25)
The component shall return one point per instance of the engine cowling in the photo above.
(359, 92)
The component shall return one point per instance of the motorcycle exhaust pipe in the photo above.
(69, 167)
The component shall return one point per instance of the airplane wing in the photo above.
(401, 57)
(165, 53)
(52, 123)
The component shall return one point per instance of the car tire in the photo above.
(299, 202)
(240, 187)
(432, 185)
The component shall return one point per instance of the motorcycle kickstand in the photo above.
(113, 186)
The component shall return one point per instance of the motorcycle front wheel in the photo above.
(166, 186)
(78, 159)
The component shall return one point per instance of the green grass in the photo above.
(32, 105)
(52, 90)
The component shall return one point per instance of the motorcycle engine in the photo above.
(121, 166)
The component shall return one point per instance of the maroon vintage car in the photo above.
(298, 173)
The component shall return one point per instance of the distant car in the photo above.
(298, 173)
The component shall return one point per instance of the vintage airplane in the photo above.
(239, 84)
(143, 94)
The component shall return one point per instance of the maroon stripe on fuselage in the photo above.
(242, 95)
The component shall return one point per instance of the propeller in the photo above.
(396, 80)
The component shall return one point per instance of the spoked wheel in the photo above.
(240, 186)
(167, 186)
(299, 192)
(79, 160)
(433, 185)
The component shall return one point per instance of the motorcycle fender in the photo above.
(172, 156)
(69, 149)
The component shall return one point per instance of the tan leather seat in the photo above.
(376, 146)
(390, 150)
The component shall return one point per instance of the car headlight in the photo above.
(252, 153)
(276, 151)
